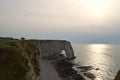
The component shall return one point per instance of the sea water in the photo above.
(105, 59)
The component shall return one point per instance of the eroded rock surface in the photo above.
(50, 48)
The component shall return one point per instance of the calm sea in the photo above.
(104, 58)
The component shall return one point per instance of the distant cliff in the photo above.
(20, 59)
(50, 48)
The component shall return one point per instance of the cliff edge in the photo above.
(20, 59)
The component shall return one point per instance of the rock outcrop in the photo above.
(51, 48)
(32, 51)
(117, 76)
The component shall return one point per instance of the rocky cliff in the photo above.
(20, 59)
(50, 48)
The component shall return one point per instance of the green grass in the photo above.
(13, 59)
(12, 62)
(31, 49)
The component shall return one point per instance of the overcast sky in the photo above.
(82, 21)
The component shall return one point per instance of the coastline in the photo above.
(27, 59)
(66, 71)
(58, 69)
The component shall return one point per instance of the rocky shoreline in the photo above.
(66, 71)
(69, 71)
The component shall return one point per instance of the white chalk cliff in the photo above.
(55, 47)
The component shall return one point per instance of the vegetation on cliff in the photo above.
(14, 58)
(12, 62)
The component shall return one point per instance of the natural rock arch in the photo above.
(55, 47)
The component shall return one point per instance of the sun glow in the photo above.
(96, 7)
(99, 59)
(98, 48)
(97, 51)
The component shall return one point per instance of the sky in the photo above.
(78, 21)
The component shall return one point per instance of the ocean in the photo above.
(104, 59)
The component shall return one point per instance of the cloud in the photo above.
(65, 19)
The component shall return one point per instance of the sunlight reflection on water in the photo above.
(98, 48)
(97, 59)
(96, 55)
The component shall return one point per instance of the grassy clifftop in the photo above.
(14, 58)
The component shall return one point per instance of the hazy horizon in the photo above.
(79, 21)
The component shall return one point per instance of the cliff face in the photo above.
(54, 48)
(20, 59)
(32, 51)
